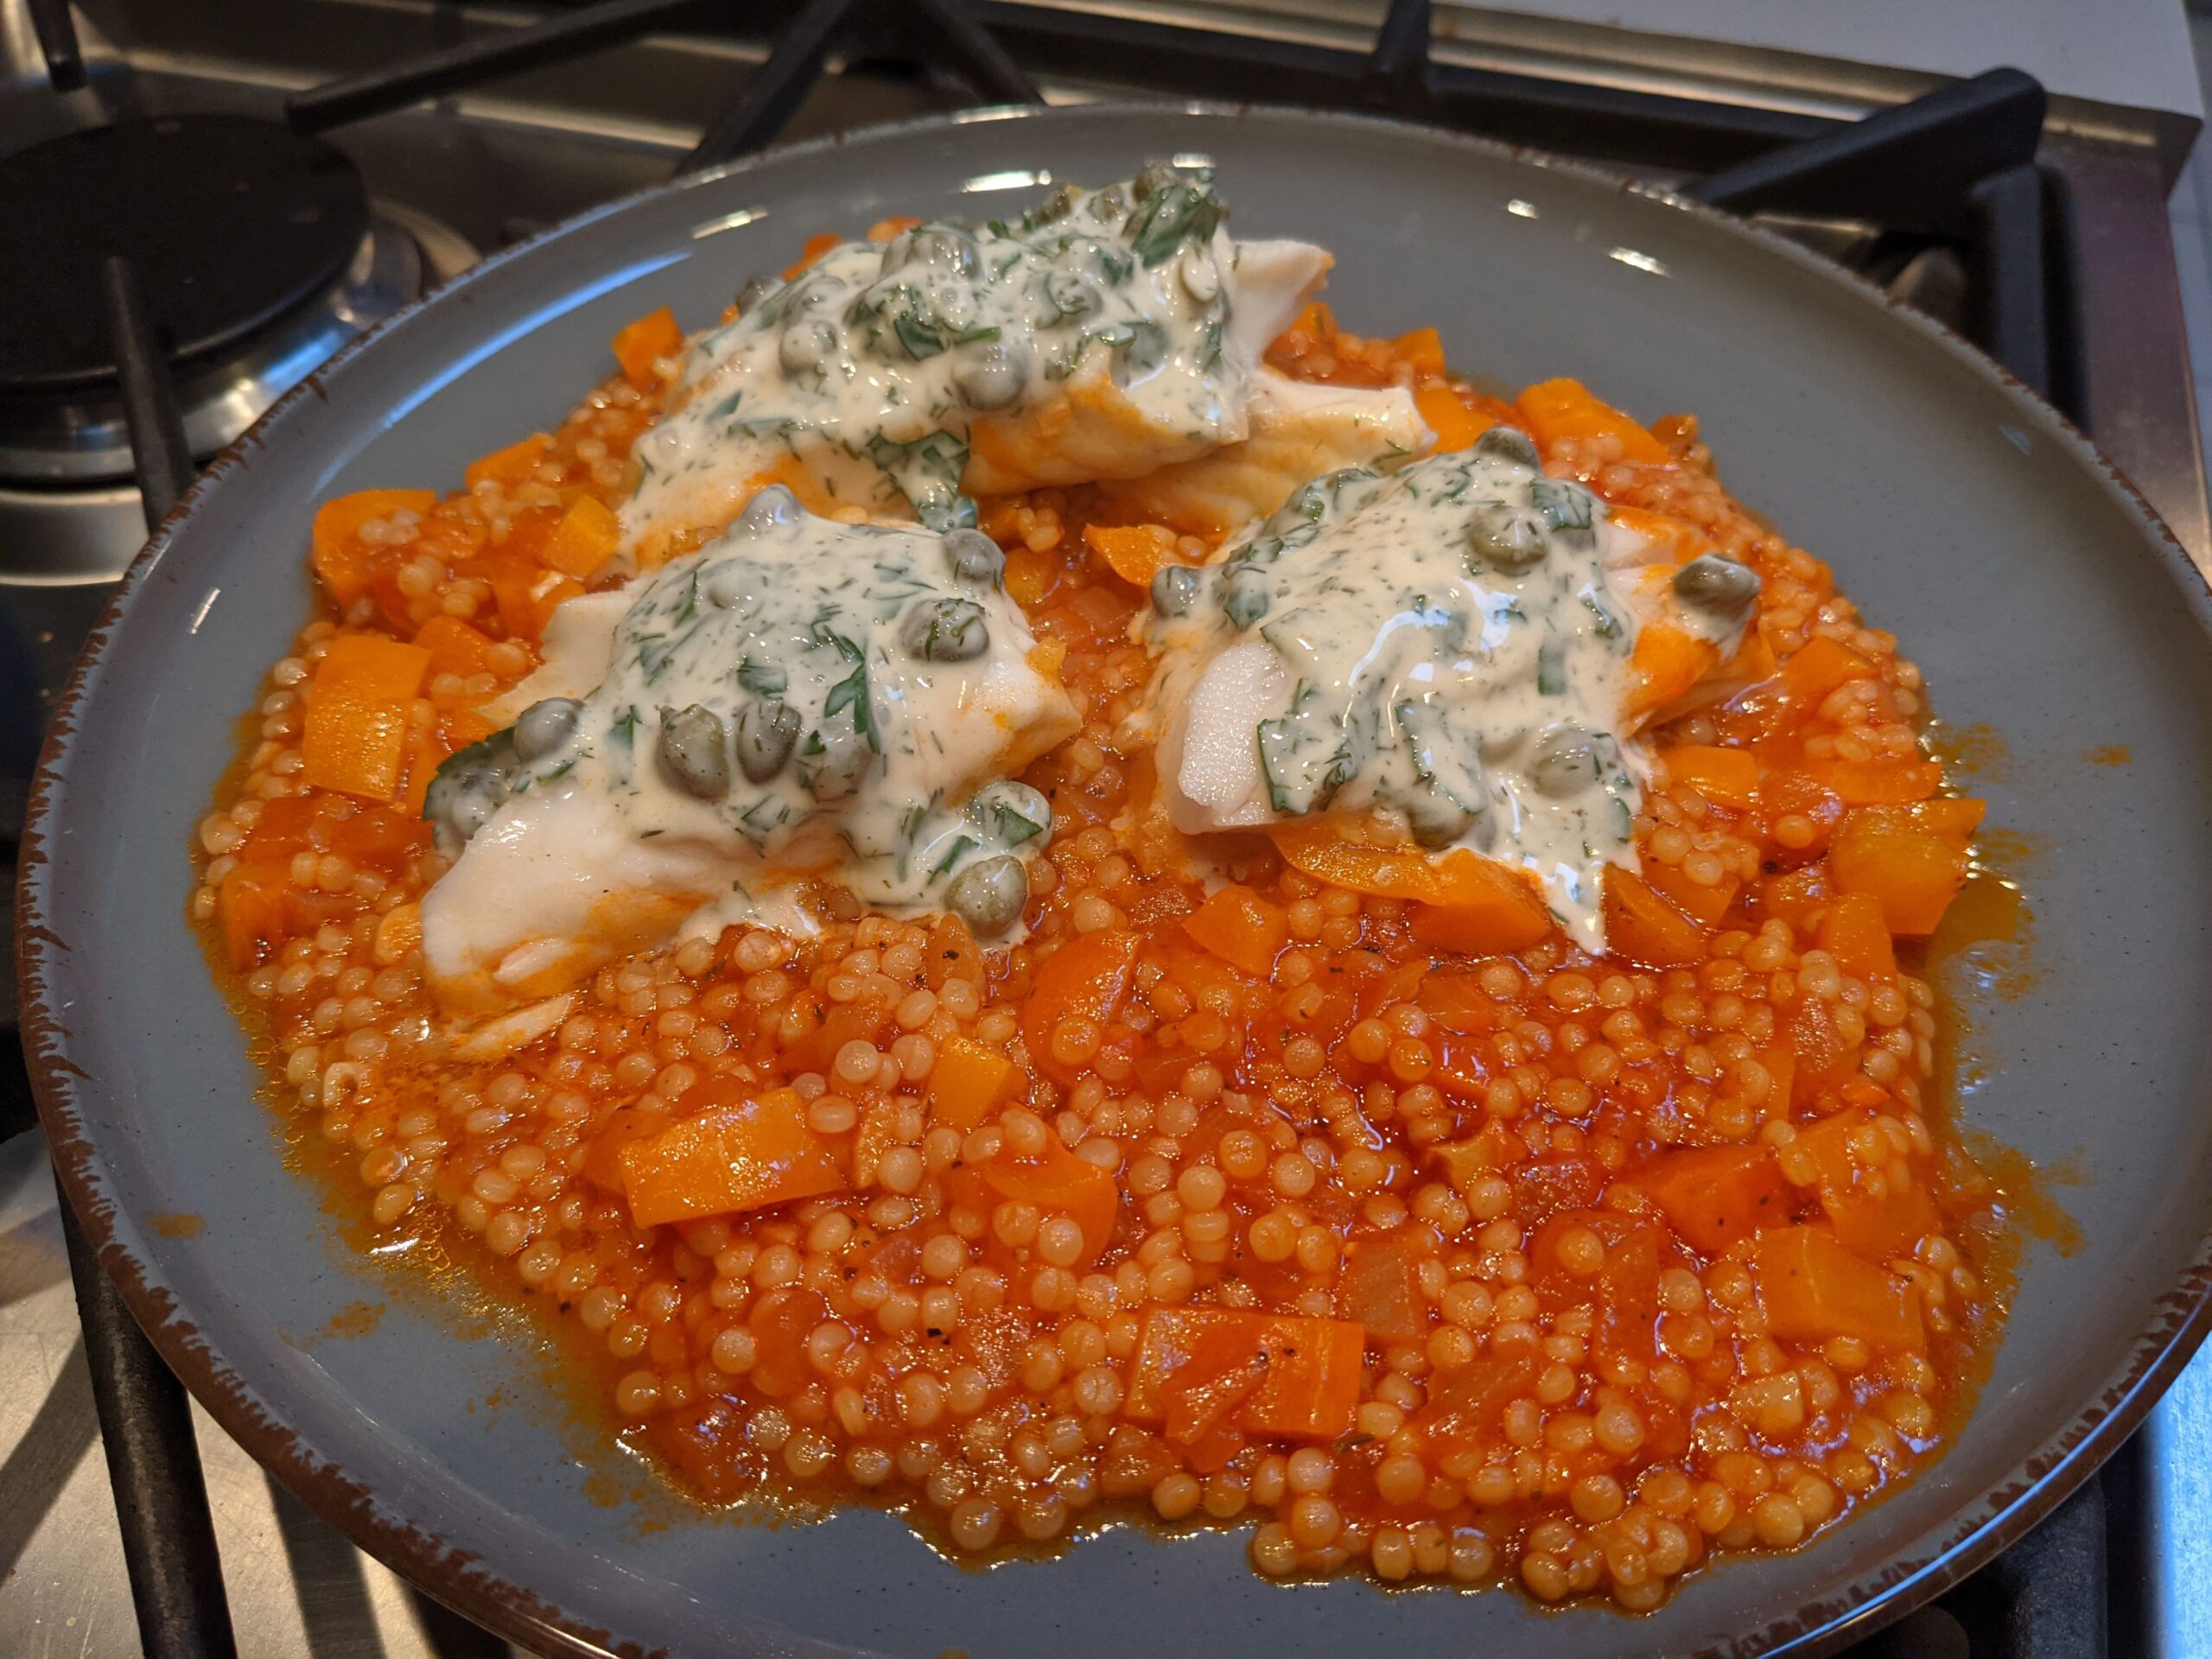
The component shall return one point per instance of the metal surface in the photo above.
(2090, 585)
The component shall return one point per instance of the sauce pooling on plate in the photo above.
(899, 377)
(1447, 650)
(801, 697)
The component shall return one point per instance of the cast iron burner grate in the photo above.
(159, 289)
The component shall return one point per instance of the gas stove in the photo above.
(220, 195)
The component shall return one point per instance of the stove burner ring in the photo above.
(230, 222)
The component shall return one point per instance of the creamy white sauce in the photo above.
(1447, 650)
(850, 702)
(866, 374)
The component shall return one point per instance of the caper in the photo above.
(1510, 540)
(989, 895)
(1713, 583)
(1014, 813)
(1434, 819)
(992, 373)
(806, 348)
(932, 245)
(460, 804)
(767, 730)
(974, 556)
(758, 287)
(944, 631)
(1158, 176)
(544, 726)
(776, 504)
(1175, 589)
(1071, 296)
(1058, 205)
(1310, 502)
(834, 769)
(1504, 442)
(695, 752)
(1565, 760)
(1201, 277)
(1244, 595)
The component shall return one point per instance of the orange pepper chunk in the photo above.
(640, 346)
(1085, 978)
(340, 558)
(528, 594)
(742, 1152)
(1716, 1195)
(1822, 666)
(1727, 777)
(454, 647)
(586, 538)
(1877, 783)
(511, 466)
(1133, 552)
(1380, 1288)
(1058, 1182)
(1855, 934)
(1455, 424)
(1311, 1368)
(1422, 351)
(1666, 664)
(1643, 927)
(359, 718)
(817, 244)
(1703, 903)
(1469, 903)
(250, 905)
(1912, 860)
(1241, 928)
(966, 1081)
(1812, 1289)
(1556, 411)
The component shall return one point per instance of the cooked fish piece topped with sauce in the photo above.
(1457, 659)
(1102, 335)
(802, 699)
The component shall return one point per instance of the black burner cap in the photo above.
(230, 222)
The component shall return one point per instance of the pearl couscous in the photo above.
(1239, 1203)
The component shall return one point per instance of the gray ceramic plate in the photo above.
(2037, 592)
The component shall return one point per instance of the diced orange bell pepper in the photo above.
(966, 1081)
(1716, 1195)
(817, 244)
(1876, 1225)
(360, 715)
(287, 825)
(340, 558)
(1911, 859)
(1058, 1182)
(1478, 904)
(1822, 666)
(603, 1159)
(454, 647)
(1877, 783)
(1241, 928)
(1311, 1368)
(1812, 1289)
(1665, 667)
(732, 1151)
(528, 594)
(251, 904)
(380, 837)
(511, 466)
(640, 346)
(1086, 977)
(586, 538)
(1380, 1288)
(1795, 895)
(1727, 777)
(1455, 424)
(1703, 903)
(1421, 351)
(1133, 552)
(1555, 410)
(1855, 934)
(1644, 928)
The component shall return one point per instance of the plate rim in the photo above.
(2042, 1479)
